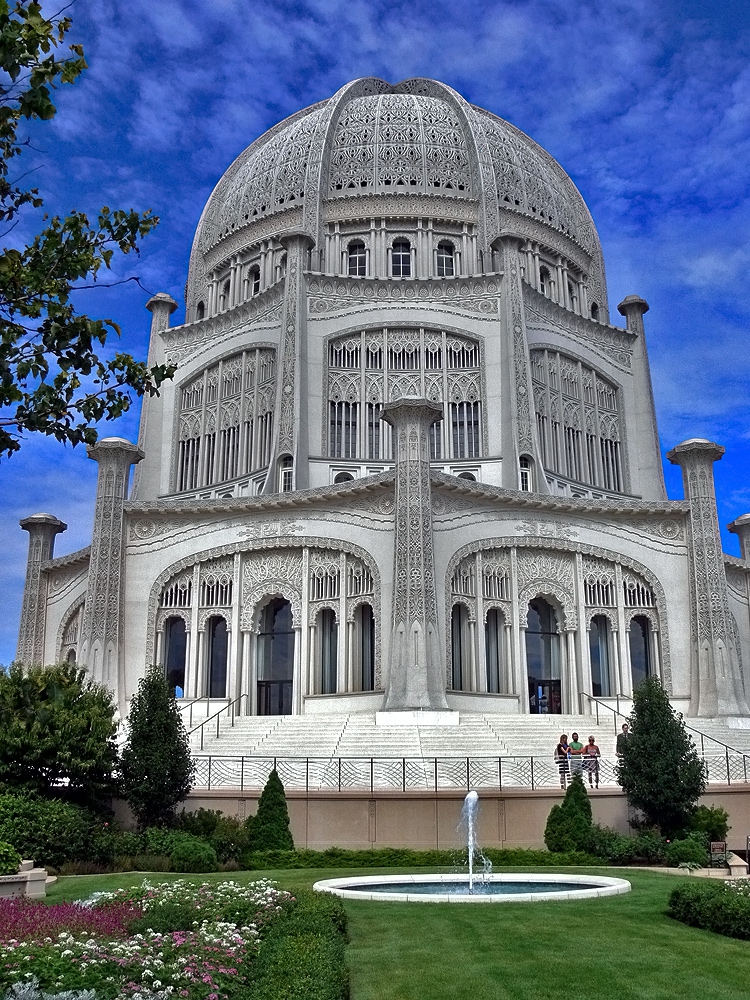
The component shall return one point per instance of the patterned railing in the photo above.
(428, 774)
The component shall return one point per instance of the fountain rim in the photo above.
(601, 885)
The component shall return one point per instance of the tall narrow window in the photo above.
(640, 649)
(328, 641)
(275, 669)
(594, 311)
(401, 259)
(601, 685)
(465, 429)
(493, 645)
(224, 297)
(357, 259)
(524, 474)
(286, 474)
(544, 281)
(460, 648)
(445, 268)
(218, 642)
(543, 659)
(174, 655)
(200, 310)
(364, 626)
(254, 280)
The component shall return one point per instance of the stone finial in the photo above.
(741, 527)
(161, 306)
(695, 448)
(632, 308)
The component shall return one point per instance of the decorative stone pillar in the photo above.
(101, 632)
(741, 528)
(42, 529)
(161, 306)
(716, 682)
(417, 672)
(291, 434)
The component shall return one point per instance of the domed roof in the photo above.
(417, 138)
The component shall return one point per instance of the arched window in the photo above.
(275, 668)
(364, 631)
(460, 648)
(545, 281)
(357, 259)
(543, 659)
(71, 657)
(200, 310)
(524, 474)
(493, 647)
(218, 643)
(401, 259)
(328, 644)
(343, 477)
(594, 311)
(467, 475)
(599, 647)
(224, 296)
(175, 638)
(445, 266)
(286, 474)
(573, 296)
(640, 649)
(253, 280)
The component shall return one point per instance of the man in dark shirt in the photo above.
(622, 738)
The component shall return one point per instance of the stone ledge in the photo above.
(28, 881)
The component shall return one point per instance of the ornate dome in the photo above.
(418, 138)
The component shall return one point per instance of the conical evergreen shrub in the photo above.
(569, 824)
(269, 829)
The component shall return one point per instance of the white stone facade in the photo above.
(406, 462)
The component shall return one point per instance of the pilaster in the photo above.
(417, 674)
(716, 684)
(42, 529)
(102, 618)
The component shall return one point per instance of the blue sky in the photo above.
(646, 104)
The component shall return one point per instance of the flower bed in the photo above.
(118, 944)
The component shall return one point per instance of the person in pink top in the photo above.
(591, 755)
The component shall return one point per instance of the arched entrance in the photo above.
(275, 659)
(543, 659)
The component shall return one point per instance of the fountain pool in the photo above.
(494, 888)
(485, 887)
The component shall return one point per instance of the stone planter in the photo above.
(29, 881)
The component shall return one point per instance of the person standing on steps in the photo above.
(562, 754)
(622, 738)
(576, 750)
(591, 755)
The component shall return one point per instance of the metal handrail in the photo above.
(726, 748)
(196, 701)
(217, 716)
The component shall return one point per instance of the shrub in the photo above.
(302, 957)
(157, 769)
(157, 840)
(269, 830)
(10, 859)
(569, 824)
(151, 863)
(397, 857)
(713, 906)
(646, 847)
(713, 821)
(47, 831)
(691, 851)
(191, 854)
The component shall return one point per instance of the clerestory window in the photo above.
(357, 259)
(401, 259)
(445, 263)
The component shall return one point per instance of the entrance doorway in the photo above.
(275, 659)
(543, 659)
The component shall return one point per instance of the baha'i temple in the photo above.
(408, 463)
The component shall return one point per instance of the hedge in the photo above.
(394, 857)
(712, 906)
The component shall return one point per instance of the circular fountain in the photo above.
(476, 887)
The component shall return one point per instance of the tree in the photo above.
(269, 830)
(57, 734)
(52, 377)
(569, 824)
(156, 767)
(660, 770)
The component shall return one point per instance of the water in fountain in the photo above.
(469, 813)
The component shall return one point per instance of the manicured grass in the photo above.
(617, 948)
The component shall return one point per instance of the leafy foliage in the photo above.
(228, 836)
(569, 824)
(10, 859)
(270, 826)
(660, 770)
(191, 854)
(690, 851)
(48, 832)
(646, 847)
(403, 857)
(52, 377)
(57, 734)
(712, 905)
(713, 821)
(156, 766)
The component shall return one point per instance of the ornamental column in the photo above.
(42, 529)
(291, 408)
(417, 672)
(741, 528)
(101, 632)
(716, 679)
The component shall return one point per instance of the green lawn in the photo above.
(616, 948)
